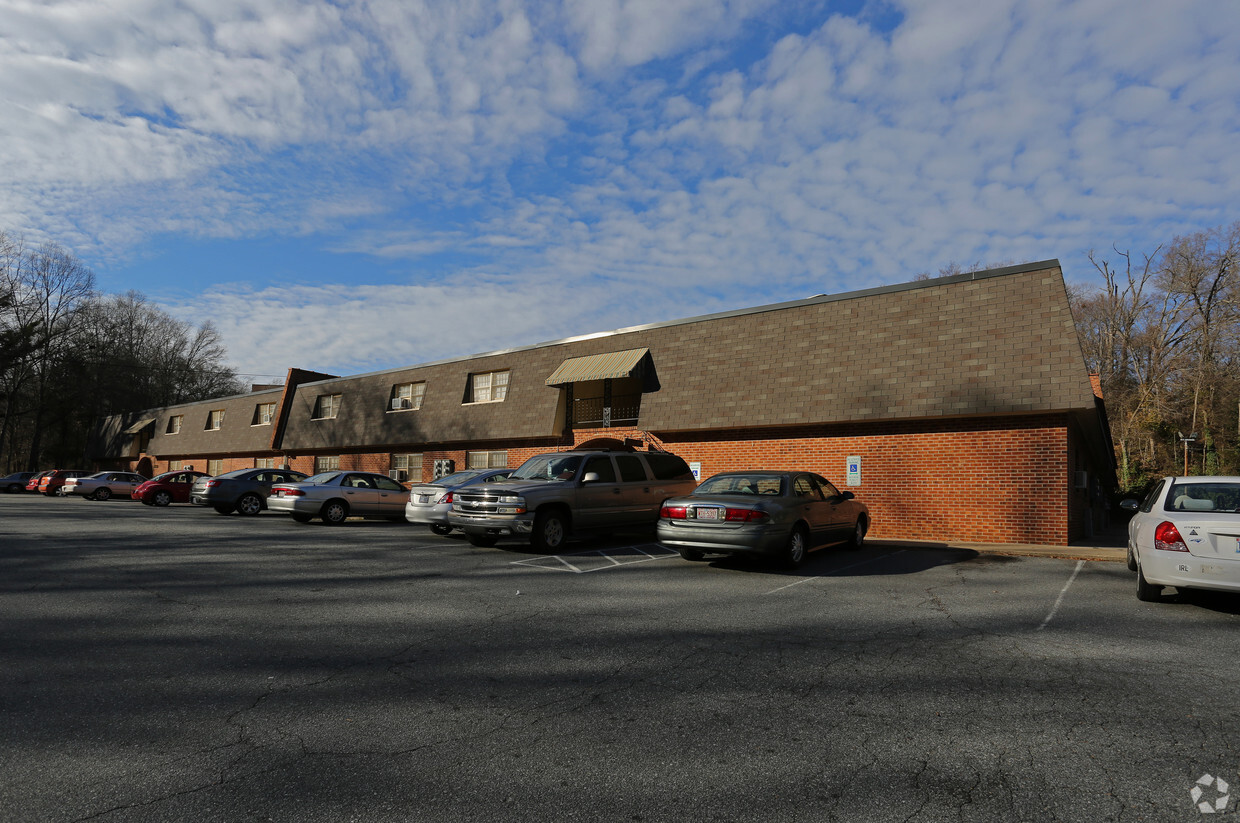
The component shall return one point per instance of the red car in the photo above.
(32, 485)
(54, 481)
(169, 487)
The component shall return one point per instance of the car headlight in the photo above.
(510, 505)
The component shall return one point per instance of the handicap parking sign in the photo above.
(854, 470)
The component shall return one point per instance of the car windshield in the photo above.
(741, 484)
(548, 467)
(1220, 496)
(234, 473)
(455, 479)
(321, 479)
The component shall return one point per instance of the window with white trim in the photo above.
(263, 414)
(409, 466)
(174, 424)
(487, 459)
(488, 387)
(325, 463)
(326, 406)
(215, 467)
(174, 465)
(264, 462)
(406, 396)
(215, 420)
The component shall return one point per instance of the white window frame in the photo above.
(410, 396)
(489, 386)
(326, 463)
(174, 424)
(264, 413)
(333, 407)
(215, 423)
(493, 459)
(215, 467)
(174, 465)
(264, 462)
(410, 464)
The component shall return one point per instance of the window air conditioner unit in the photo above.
(399, 475)
(1082, 480)
(399, 403)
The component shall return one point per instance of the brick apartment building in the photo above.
(962, 405)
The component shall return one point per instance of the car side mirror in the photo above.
(1129, 505)
(590, 477)
(847, 495)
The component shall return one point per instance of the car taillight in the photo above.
(211, 484)
(447, 498)
(283, 492)
(746, 516)
(674, 512)
(1167, 538)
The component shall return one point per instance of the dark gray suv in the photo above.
(554, 495)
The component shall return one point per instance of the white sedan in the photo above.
(1186, 533)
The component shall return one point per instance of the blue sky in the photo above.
(450, 178)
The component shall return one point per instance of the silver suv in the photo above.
(554, 495)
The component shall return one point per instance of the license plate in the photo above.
(707, 514)
(424, 498)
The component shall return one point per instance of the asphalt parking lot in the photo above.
(172, 664)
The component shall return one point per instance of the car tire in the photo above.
(692, 555)
(102, 493)
(550, 531)
(249, 504)
(334, 512)
(1147, 592)
(1132, 559)
(441, 530)
(797, 547)
(482, 541)
(858, 534)
(301, 518)
(161, 499)
(223, 509)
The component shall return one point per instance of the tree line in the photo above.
(1163, 333)
(70, 354)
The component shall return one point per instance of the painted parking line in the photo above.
(598, 560)
(1079, 565)
(837, 571)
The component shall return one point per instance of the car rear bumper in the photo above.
(430, 515)
(293, 505)
(757, 539)
(1181, 569)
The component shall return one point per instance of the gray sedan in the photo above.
(103, 485)
(429, 503)
(782, 515)
(337, 495)
(244, 491)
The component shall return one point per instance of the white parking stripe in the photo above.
(841, 569)
(615, 557)
(1079, 565)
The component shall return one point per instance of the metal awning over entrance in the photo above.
(139, 426)
(611, 366)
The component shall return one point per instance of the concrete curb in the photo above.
(1113, 554)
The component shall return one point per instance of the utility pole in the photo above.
(1192, 438)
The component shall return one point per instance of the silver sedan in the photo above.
(337, 495)
(429, 503)
(103, 485)
(782, 515)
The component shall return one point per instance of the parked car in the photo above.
(429, 503)
(169, 487)
(244, 490)
(53, 483)
(32, 485)
(552, 496)
(337, 495)
(782, 515)
(102, 485)
(15, 482)
(1186, 533)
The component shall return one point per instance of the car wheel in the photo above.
(161, 499)
(1132, 559)
(794, 552)
(440, 529)
(334, 512)
(102, 493)
(61, 491)
(223, 509)
(858, 536)
(301, 518)
(1147, 591)
(484, 541)
(691, 554)
(249, 504)
(550, 531)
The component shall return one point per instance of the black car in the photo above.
(241, 490)
(15, 482)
